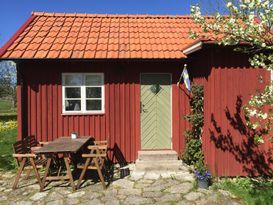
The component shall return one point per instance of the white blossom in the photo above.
(251, 22)
(229, 4)
(264, 116)
(252, 113)
(255, 125)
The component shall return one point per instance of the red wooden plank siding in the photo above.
(19, 95)
(228, 150)
(122, 113)
(55, 107)
(29, 108)
(137, 110)
(44, 110)
(120, 124)
(175, 116)
(228, 84)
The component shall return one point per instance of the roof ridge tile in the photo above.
(37, 13)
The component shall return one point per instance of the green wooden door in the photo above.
(156, 111)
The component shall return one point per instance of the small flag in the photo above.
(186, 78)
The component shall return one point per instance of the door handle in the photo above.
(142, 108)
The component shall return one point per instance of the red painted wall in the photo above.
(120, 124)
(229, 83)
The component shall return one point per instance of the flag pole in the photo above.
(185, 67)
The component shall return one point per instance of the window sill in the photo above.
(84, 113)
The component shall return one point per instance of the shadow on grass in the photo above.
(8, 116)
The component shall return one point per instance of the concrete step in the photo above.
(157, 155)
(169, 165)
(158, 160)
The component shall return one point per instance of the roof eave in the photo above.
(15, 36)
(93, 59)
(193, 48)
(196, 46)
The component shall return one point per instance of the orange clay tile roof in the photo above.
(88, 36)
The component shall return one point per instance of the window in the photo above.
(83, 93)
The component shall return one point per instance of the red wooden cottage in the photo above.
(114, 77)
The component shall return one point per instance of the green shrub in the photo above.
(193, 154)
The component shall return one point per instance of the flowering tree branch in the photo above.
(249, 22)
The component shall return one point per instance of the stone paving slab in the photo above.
(139, 188)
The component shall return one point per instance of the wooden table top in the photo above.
(63, 144)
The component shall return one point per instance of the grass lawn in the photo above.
(7, 111)
(6, 107)
(252, 191)
(7, 138)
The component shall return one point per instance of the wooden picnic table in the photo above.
(65, 146)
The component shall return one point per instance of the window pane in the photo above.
(74, 79)
(94, 92)
(93, 80)
(93, 105)
(73, 92)
(72, 105)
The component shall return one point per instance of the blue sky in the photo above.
(13, 13)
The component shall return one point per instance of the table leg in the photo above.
(68, 170)
(46, 173)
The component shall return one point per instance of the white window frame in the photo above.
(83, 95)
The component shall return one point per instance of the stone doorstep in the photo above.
(155, 155)
(158, 165)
